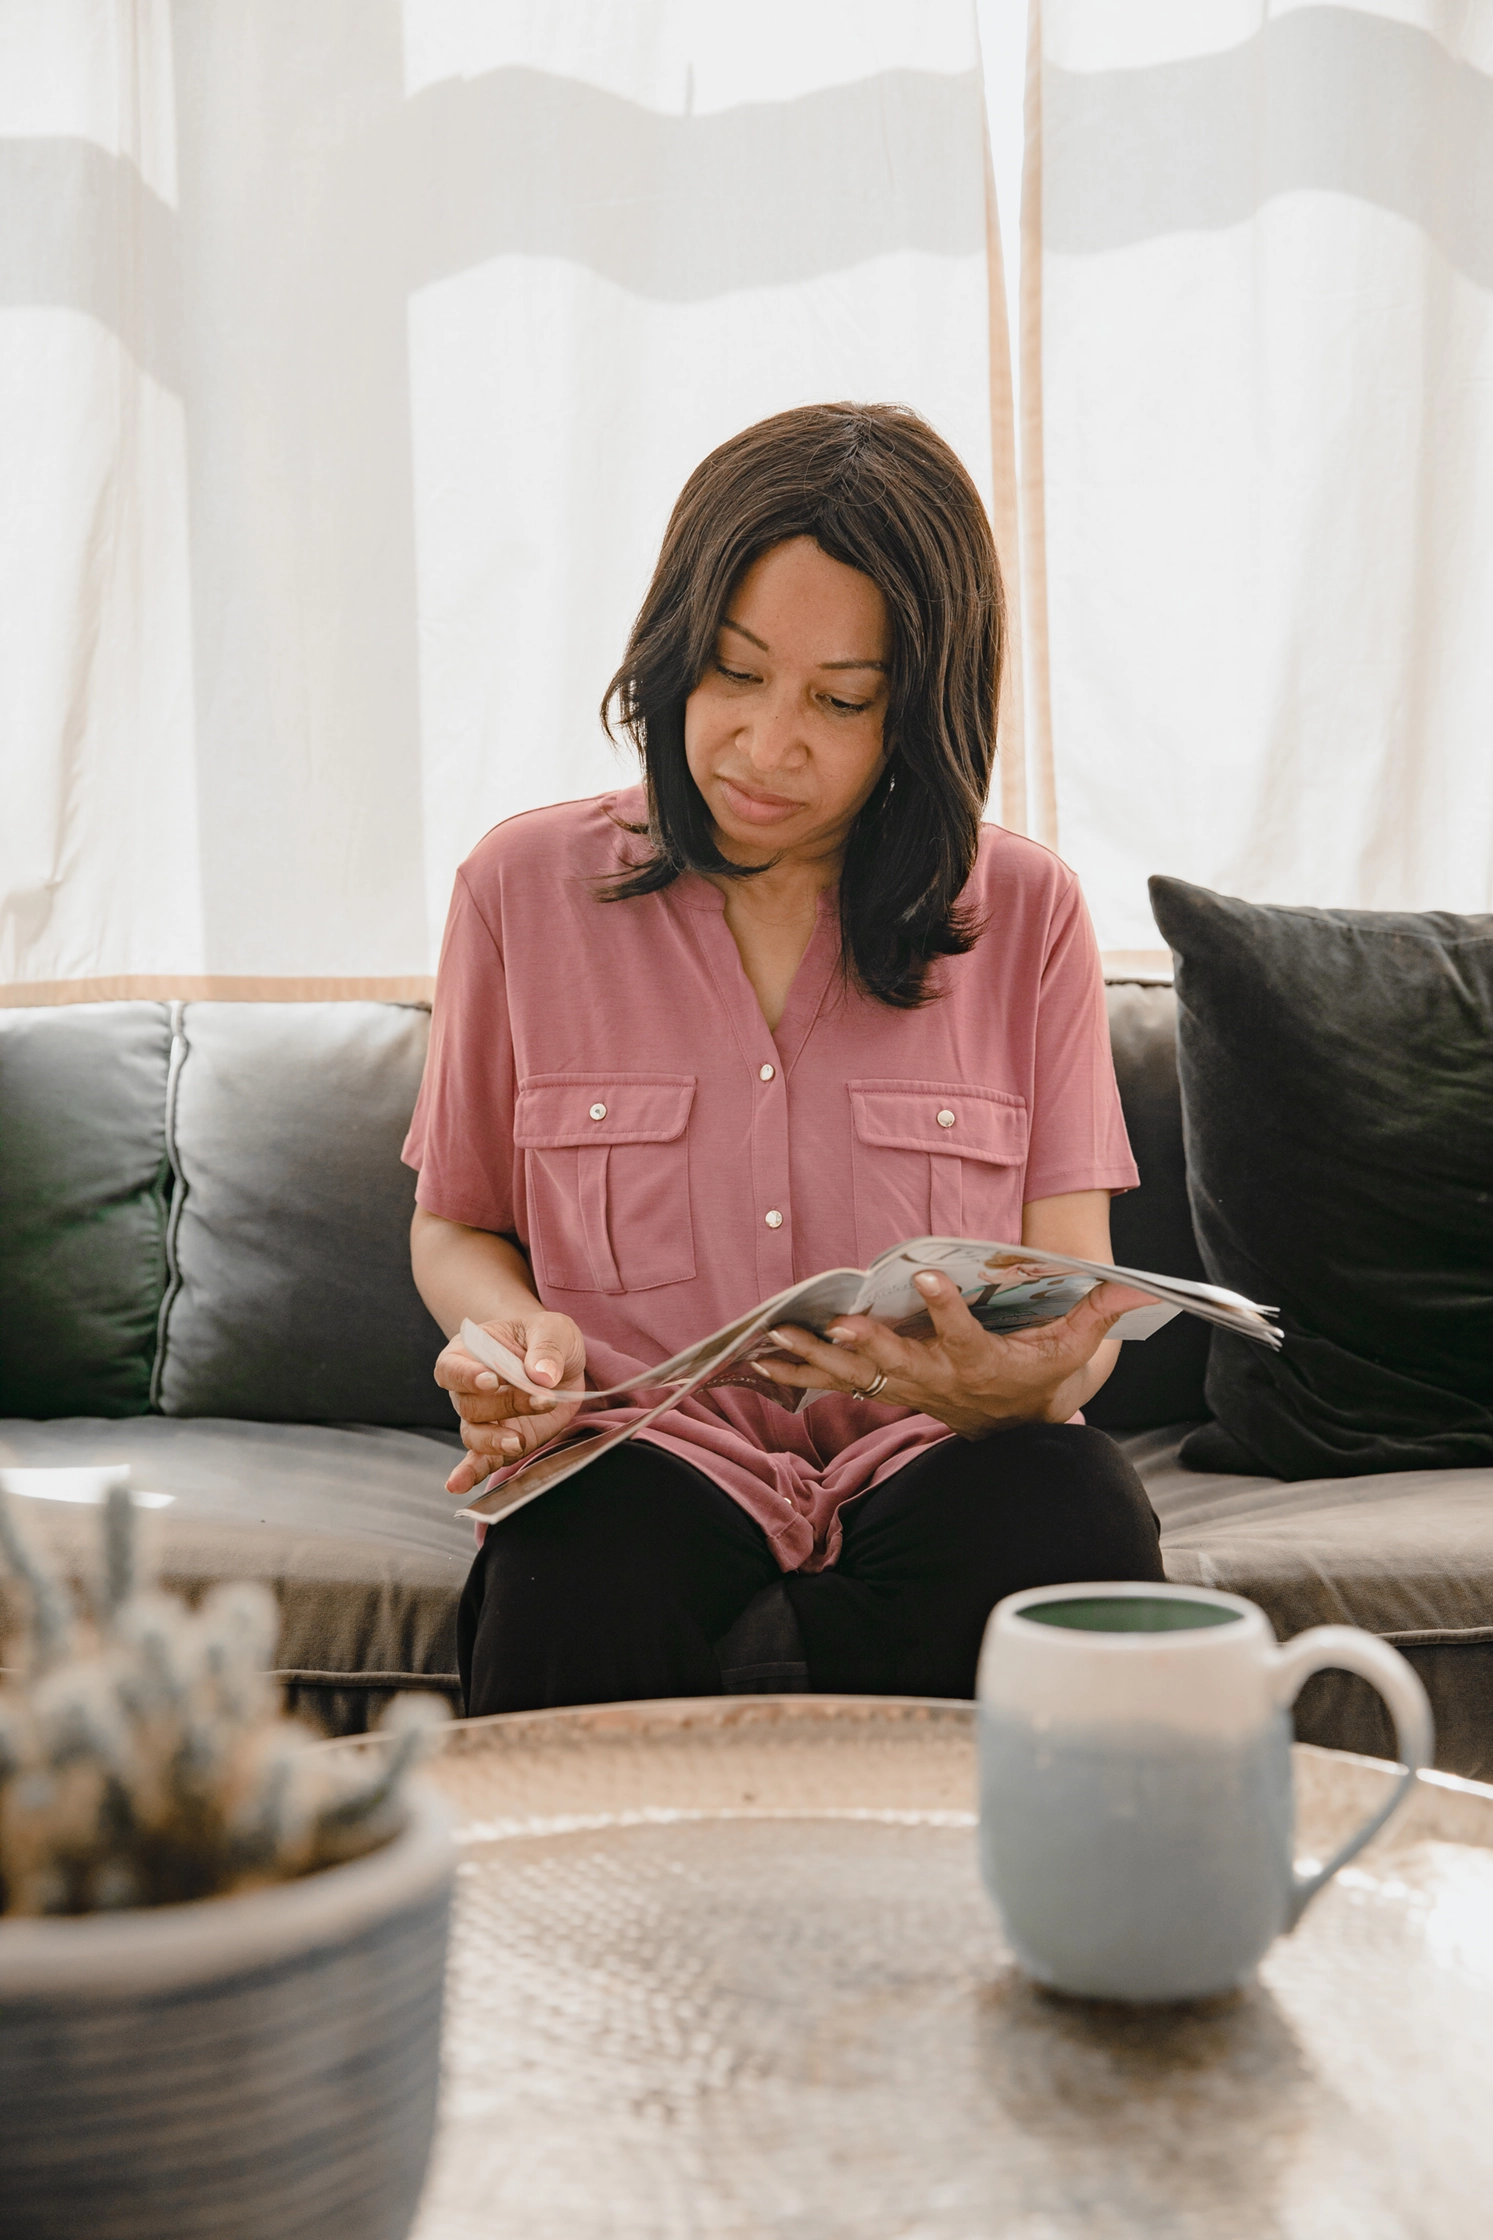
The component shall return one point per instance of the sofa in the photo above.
(204, 1276)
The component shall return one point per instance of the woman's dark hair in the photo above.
(876, 489)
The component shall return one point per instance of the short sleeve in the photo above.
(1078, 1139)
(461, 1135)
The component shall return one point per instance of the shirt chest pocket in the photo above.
(606, 1175)
(936, 1158)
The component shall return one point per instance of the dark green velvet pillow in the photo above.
(1337, 1087)
(83, 1201)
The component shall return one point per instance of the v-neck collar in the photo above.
(817, 967)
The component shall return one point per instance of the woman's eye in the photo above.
(848, 707)
(735, 676)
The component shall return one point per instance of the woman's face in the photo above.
(783, 732)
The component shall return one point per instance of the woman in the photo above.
(788, 1004)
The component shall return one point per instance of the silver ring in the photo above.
(871, 1389)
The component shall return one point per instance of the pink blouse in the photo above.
(603, 1087)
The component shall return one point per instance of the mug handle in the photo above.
(1349, 1649)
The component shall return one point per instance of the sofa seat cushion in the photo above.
(350, 1526)
(1403, 1553)
(1407, 1554)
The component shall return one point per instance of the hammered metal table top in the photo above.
(727, 1968)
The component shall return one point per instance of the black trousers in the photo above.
(618, 1583)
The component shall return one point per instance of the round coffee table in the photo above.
(726, 1968)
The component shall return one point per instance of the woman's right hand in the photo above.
(499, 1422)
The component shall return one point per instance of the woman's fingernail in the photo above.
(839, 1335)
(510, 1446)
(487, 1382)
(550, 1369)
(927, 1284)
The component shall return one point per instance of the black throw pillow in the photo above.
(1336, 1069)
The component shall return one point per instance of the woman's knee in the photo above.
(636, 1530)
(1091, 1484)
(623, 1510)
(1077, 1457)
(1039, 1494)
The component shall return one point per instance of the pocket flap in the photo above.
(556, 1109)
(948, 1116)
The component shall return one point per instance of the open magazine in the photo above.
(1006, 1287)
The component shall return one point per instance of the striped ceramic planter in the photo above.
(246, 2068)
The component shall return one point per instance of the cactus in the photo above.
(144, 1758)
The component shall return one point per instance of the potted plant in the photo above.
(221, 1950)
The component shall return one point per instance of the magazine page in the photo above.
(821, 1297)
(1003, 1295)
(547, 1466)
(711, 1362)
(1006, 1287)
(1011, 1287)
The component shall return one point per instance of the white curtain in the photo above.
(352, 353)
(1257, 400)
(351, 356)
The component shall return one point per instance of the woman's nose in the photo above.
(775, 738)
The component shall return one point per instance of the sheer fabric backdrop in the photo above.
(353, 355)
(1257, 399)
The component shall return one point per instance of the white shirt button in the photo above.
(774, 1219)
(598, 1112)
(946, 1118)
(766, 1073)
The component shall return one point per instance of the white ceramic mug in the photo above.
(1136, 1812)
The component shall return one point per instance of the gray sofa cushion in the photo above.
(83, 1179)
(292, 1299)
(1161, 1380)
(1406, 1554)
(350, 1527)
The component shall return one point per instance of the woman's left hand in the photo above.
(961, 1375)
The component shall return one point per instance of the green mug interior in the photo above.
(1129, 1613)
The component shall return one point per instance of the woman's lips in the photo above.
(757, 807)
